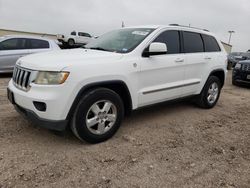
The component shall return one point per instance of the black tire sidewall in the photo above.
(210, 81)
(69, 42)
(84, 105)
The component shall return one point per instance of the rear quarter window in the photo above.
(38, 44)
(210, 44)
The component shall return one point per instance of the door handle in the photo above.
(179, 60)
(208, 58)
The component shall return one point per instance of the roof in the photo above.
(25, 36)
(174, 26)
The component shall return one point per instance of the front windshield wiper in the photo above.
(99, 48)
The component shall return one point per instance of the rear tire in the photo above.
(98, 115)
(210, 94)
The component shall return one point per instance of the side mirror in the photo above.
(155, 48)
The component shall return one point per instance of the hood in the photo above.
(60, 59)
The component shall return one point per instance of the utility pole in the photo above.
(123, 25)
(230, 36)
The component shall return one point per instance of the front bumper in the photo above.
(240, 76)
(58, 103)
(58, 125)
(48, 124)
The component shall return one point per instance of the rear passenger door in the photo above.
(37, 45)
(202, 53)
(196, 62)
(84, 38)
(161, 76)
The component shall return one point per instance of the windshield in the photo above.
(121, 41)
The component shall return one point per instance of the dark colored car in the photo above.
(235, 57)
(241, 73)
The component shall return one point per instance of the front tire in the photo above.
(210, 94)
(98, 115)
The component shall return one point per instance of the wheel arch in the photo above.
(71, 39)
(219, 73)
(117, 86)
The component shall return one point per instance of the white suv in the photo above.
(90, 89)
(75, 38)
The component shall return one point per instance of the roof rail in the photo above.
(188, 27)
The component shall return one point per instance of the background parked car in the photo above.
(75, 38)
(241, 73)
(235, 57)
(14, 47)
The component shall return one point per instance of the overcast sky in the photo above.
(99, 16)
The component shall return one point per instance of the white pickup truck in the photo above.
(74, 38)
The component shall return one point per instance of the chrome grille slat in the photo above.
(16, 74)
(24, 79)
(21, 78)
(14, 78)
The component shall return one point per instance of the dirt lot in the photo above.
(170, 145)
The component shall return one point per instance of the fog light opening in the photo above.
(40, 106)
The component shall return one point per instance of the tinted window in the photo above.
(192, 42)
(73, 33)
(38, 44)
(12, 44)
(120, 41)
(84, 34)
(171, 39)
(210, 44)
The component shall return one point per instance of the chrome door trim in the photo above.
(169, 88)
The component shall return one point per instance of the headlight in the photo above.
(237, 66)
(51, 78)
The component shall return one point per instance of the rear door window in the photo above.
(38, 44)
(192, 42)
(171, 39)
(83, 34)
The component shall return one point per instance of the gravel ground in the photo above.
(168, 145)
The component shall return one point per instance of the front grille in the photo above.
(246, 67)
(21, 78)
